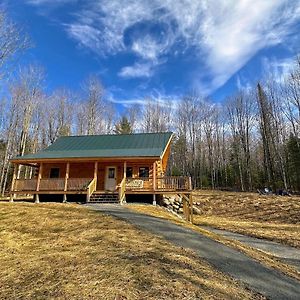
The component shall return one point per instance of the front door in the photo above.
(111, 178)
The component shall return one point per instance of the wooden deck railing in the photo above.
(53, 184)
(168, 183)
(139, 183)
(91, 187)
(25, 185)
(79, 184)
(173, 183)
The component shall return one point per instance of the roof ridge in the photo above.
(113, 134)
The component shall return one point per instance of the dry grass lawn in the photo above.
(57, 251)
(265, 258)
(272, 217)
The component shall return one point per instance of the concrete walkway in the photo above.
(287, 254)
(268, 282)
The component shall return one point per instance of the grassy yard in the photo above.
(64, 251)
(265, 258)
(271, 217)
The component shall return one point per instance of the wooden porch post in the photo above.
(96, 172)
(37, 197)
(154, 176)
(191, 209)
(66, 182)
(154, 183)
(124, 176)
(12, 196)
(185, 208)
(125, 166)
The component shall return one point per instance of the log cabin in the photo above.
(103, 168)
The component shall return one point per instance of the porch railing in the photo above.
(169, 183)
(139, 183)
(173, 183)
(54, 184)
(80, 184)
(25, 185)
(91, 186)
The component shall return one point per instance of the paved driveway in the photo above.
(257, 277)
(287, 254)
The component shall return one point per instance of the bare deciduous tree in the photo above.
(12, 40)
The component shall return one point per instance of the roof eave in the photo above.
(167, 145)
(119, 158)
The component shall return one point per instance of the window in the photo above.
(111, 172)
(129, 172)
(144, 172)
(54, 173)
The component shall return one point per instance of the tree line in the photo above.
(249, 141)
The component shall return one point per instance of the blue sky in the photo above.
(161, 49)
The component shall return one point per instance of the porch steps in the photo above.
(104, 198)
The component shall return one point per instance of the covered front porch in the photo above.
(119, 177)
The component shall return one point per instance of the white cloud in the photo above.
(85, 34)
(240, 30)
(137, 70)
(162, 102)
(277, 69)
(148, 48)
(49, 2)
(225, 33)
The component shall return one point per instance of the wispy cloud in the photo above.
(239, 31)
(49, 2)
(225, 33)
(277, 69)
(86, 35)
(155, 98)
(137, 70)
(149, 48)
(143, 102)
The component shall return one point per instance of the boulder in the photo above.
(196, 211)
(171, 200)
(166, 202)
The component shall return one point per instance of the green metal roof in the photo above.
(123, 145)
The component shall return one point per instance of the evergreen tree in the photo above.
(123, 127)
(294, 161)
